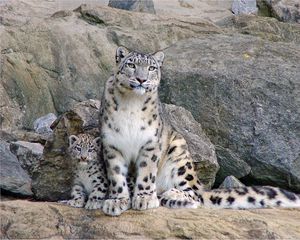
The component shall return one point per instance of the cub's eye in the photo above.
(91, 148)
(131, 65)
(78, 148)
(151, 68)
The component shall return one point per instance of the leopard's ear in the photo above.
(97, 141)
(159, 57)
(121, 52)
(72, 140)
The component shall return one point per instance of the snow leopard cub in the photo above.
(90, 182)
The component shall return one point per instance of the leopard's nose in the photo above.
(83, 158)
(141, 81)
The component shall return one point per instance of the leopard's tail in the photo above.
(250, 197)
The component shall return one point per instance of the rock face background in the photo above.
(231, 85)
(247, 103)
(239, 76)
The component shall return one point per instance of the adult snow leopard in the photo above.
(137, 140)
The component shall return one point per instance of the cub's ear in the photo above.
(72, 140)
(97, 141)
(121, 53)
(159, 56)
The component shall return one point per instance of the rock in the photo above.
(133, 5)
(231, 182)
(62, 13)
(12, 177)
(230, 164)
(194, 9)
(43, 72)
(42, 124)
(244, 7)
(52, 178)
(11, 135)
(284, 10)
(42, 220)
(200, 147)
(264, 27)
(29, 154)
(244, 101)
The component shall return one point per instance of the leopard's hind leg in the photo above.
(177, 184)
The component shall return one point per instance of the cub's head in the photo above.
(138, 72)
(84, 148)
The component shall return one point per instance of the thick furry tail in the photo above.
(250, 197)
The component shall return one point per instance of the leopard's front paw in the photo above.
(78, 203)
(114, 207)
(94, 204)
(144, 202)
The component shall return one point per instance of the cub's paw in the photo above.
(114, 207)
(144, 202)
(78, 203)
(94, 204)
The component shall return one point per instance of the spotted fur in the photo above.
(138, 141)
(90, 182)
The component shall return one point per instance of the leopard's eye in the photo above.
(151, 68)
(131, 65)
(90, 150)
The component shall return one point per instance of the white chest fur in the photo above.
(129, 129)
(84, 179)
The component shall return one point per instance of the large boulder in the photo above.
(200, 147)
(42, 220)
(264, 27)
(230, 164)
(245, 93)
(244, 7)
(30, 155)
(284, 10)
(13, 177)
(133, 5)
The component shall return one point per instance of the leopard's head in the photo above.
(84, 148)
(138, 72)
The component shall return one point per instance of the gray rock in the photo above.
(42, 124)
(231, 182)
(13, 178)
(133, 5)
(284, 10)
(200, 147)
(230, 164)
(29, 154)
(245, 93)
(244, 7)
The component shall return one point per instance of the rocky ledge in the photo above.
(25, 219)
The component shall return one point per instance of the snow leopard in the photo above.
(138, 141)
